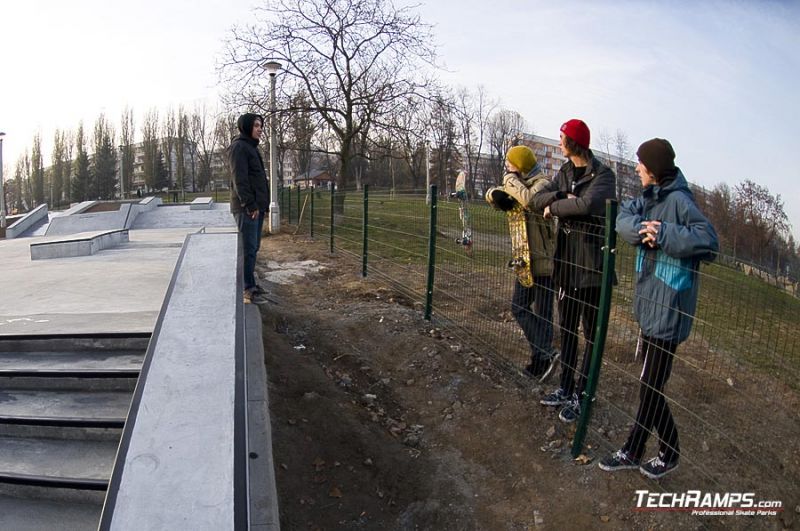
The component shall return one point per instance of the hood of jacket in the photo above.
(245, 124)
(672, 183)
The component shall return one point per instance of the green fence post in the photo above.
(311, 219)
(601, 329)
(289, 206)
(364, 231)
(333, 192)
(431, 255)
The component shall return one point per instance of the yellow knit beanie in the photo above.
(522, 157)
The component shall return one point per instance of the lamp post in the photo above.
(2, 187)
(122, 171)
(272, 68)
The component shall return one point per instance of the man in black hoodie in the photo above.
(249, 196)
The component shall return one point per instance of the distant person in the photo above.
(522, 181)
(671, 236)
(577, 196)
(249, 197)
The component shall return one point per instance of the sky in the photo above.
(717, 78)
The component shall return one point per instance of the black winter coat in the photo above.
(578, 261)
(249, 190)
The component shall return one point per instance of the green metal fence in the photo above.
(734, 384)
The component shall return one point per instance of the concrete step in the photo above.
(66, 463)
(20, 514)
(64, 408)
(106, 360)
(61, 432)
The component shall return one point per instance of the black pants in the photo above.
(575, 307)
(536, 323)
(653, 408)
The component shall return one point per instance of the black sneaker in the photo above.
(556, 398)
(619, 460)
(657, 468)
(572, 410)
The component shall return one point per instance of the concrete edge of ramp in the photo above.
(82, 244)
(182, 461)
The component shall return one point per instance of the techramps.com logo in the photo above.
(700, 503)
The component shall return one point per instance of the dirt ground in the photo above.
(383, 421)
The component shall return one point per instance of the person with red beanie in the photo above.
(577, 197)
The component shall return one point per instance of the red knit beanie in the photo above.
(578, 131)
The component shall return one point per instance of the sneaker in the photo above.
(657, 468)
(556, 398)
(571, 411)
(258, 290)
(619, 460)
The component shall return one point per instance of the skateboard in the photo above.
(520, 252)
(463, 213)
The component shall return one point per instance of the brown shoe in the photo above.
(248, 297)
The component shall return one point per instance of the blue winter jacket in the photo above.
(666, 277)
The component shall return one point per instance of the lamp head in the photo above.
(272, 67)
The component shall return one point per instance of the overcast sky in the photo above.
(718, 79)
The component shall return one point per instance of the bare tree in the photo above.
(355, 59)
(169, 132)
(150, 149)
(37, 171)
(503, 128)
(622, 151)
(443, 130)
(473, 111)
(59, 167)
(127, 134)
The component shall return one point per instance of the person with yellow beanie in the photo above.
(522, 181)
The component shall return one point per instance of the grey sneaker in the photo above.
(657, 468)
(556, 398)
(619, 460)
(572, 410)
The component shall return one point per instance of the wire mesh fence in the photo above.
(733, 383)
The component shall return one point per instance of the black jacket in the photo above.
(249, 190)
(578, 261)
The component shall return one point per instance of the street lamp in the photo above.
(272, 68)
(122, 171)
(2, 188)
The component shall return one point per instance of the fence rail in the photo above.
(734, 384)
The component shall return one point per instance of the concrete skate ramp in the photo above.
(182, 458)
(29, 223)
(182, 216)
(93, 221)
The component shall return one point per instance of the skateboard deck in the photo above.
(520, 252)
(463, 214)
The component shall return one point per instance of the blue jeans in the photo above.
(251, 242)
(537, 325)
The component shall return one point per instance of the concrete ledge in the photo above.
(93, 221)
(83, 244)
(263, 513)
(80, 208)
(151, 201)
(29, 220)
(202, 203)
(182, 461)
